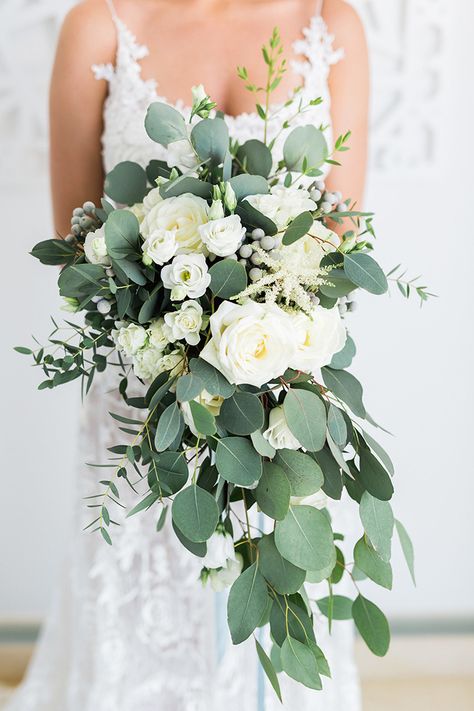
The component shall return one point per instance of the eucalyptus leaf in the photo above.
(214, 382)
(407, 548)
(378, 522)
(210, 138)
(168, 470)
(244, 185)
(367, 560)
(299, 662)
(372, 625)
(345, 387)
(188, 387)
(305, 144)
(228, 278)
(126, 183)
(253, 218)
(337, 425)
(256, 157)
(204, 421)
(195, 513)
(269, 670)
(238, 462)
(246, 604)
(273, 492)
(168, 427)
(374, 478)
(298, 227)
(305, 538)
(164, 124)
(303, 473)
(364, 271)
(197, 549)
(338, 607)
(306, 417)
(54, 251)
(81, 280)
(332, 485)
(282, 575)
(186, 184)
(291, 612)
(262, 445)
(122, 234)
(242, 413)
(343, 359)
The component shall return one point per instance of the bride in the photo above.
(131, 629)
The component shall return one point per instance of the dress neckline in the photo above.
(130, 52)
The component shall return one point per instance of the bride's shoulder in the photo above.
(89, 27)
(344, 23)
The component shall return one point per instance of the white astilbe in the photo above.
(288, 288)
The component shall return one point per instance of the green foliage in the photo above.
(195, 513)
(188, 387)
(373, 476)
(343, 359)
(241, 414)
(168, 473)
(372, 625)
(364, 271)
(367, 560)
(81, 281)
(122, 234)
(304, 537)
(54, 251)
(186, 184)
(269, 670)
(253, 218)
(336, 607)
(169, 426)
(282, 575)
(213, 380)
(377, 519)
(303, 473)
(273, 492)
(407, 548)
(305, 144)
(126, 183)
(210, 139)
(204, 421)
(345, 387)
(255, 158)
(300, 663)
(164, 124)
(246, 604)
(299, 227)
(237, 462)
(306, 417)
(228, 278)
(245, 185)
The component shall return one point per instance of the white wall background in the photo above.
(416, 365)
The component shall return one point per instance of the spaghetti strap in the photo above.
(319, 7)
(113, 11)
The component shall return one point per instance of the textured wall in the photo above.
(414, 364)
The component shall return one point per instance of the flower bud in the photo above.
(230, 199)
(216, 210)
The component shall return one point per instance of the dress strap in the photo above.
(319, 7)
(113, 11)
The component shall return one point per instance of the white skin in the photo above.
(231, 33)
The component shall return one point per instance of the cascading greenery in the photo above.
(215, 465)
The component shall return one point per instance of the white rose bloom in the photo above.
(149, 362)
(220, 549)
(186, 276)
(130, 339)
(160, 246)
(305, 254)
(225, 577)
(317, 339)
(223, 236)
(283, 204)
(251, 343)
(156, 334)
(184, 323)
(319, 500)
(182, 215)
(278, 433)
(95, 248)
(213, 403)
(152, 199)
(182, 155)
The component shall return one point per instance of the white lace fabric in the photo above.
(131, 628)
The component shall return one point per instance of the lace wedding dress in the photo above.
(131, 628)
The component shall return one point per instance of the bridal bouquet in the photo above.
(215, 279)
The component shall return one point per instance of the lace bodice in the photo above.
(124, 136)
(131, 628)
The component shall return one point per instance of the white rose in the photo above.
(187, 275)
(317, 339)
(283, 204)
(149, 362)
(182, 155)
(220, 549)
(223, 236)
(225, 577)
(156, 334)
(213, 403)
(319, 500)
(159, 247)
(278, 434)
(251, 343)
(305, 254)
(95, 248)
(184, 323)
(182, 215)
(130, 339)
(152, 199)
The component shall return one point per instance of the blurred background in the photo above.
(416, 364)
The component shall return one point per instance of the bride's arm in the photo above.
(349, 90)
(76, 101)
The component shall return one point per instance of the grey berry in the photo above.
(78, 212)
(267, 243)
(103, 306)
(232, 256)
(85, 222)
(330, 198)
(338, 196)
(69, 239)
(75, 220)
(320, 185)
(243, 262)
(76, 230)
(258, 233)
(89, 207)
(256, 259)
(326, 207)
(255, 274)
(245, 251)
(110, 272)
(342, 207)
(315, 195)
